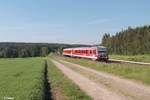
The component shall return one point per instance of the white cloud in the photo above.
(99, 21)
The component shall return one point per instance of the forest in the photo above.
(131, 41)
(13, 50)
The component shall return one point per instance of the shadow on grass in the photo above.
(48, 94)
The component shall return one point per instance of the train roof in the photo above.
(92, 47)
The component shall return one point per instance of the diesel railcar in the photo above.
(94, 53)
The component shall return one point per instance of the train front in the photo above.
(102, 53)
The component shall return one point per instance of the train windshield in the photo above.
(102, 50)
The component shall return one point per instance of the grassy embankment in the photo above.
(63, 88)
(22, 79)
(131, 71)
(139, 58)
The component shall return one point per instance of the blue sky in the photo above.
(69, 21)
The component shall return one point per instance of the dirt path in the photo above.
(122, 87)
(95, 90)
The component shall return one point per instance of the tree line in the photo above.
(131, 41)
(12, 50)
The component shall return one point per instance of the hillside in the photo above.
(12, 49)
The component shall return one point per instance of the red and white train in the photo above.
(95, 53)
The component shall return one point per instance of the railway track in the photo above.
(125, 61)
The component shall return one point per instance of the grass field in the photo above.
(63, 88)
(22, 79)
(135, 72)
(140, 58)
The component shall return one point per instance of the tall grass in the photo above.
(22, 78)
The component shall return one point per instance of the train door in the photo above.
(71, 52)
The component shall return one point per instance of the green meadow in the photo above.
(34, 79)
(26, 78)
(22, 79)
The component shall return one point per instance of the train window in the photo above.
(90, 51)
(102, 51)
(86, 51)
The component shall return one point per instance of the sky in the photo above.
(69, 21)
